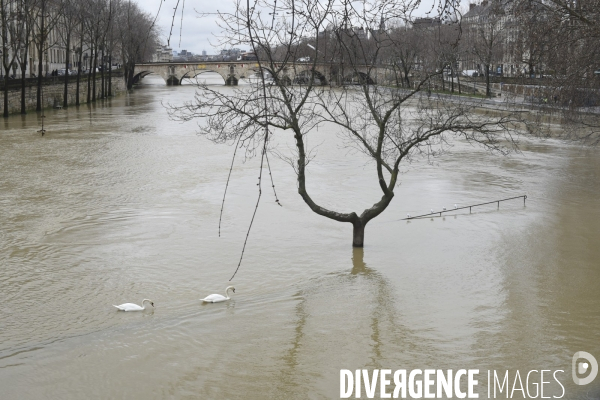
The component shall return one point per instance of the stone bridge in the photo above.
(233, 71)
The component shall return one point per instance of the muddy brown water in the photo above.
(116, 203)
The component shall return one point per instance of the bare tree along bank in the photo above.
(81, 40)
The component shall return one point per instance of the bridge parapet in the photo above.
(174, 73)
(233, 71)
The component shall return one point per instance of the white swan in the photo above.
(455, 206)
(217, 298)
(133, 307)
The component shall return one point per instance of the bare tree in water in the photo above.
(352, 81)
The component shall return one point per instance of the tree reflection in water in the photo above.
(347, 319)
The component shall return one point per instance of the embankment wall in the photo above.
(54, 91)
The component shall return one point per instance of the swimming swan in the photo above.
(134, 307)
(217, 298)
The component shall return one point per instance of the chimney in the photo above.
(484, 3)
(472, 6)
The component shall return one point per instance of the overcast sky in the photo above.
(198, 33)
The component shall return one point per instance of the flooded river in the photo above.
(116, 203)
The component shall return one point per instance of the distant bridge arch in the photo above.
(174, 73)
(232, 71)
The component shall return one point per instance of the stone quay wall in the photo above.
(53, 93)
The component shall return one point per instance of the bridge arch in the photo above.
(196, 72)
(140, 75)
(169, 78)
(233, 71)
(173, 73)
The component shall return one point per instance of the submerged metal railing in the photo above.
(432, 213)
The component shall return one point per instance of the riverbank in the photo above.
(53, 92)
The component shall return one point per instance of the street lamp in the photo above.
(2, 66)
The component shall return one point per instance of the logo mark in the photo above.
(580, 368)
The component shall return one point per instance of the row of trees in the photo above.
(570, 48)
(555, 40)
(512, 38)
(102, 31)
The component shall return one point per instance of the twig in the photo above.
(181, 23)
(272, 183)
(173, 23)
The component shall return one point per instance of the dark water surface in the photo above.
(118, 203)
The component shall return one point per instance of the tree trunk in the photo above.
(23, 69)
(68, 55)
(358, 233)
(38, 106)
(94, 75)
(5, 113)
(102, 92)
(488, 92)
(89, 82)
(79, 65)
(109, 74)
(78, 77)
(110, 40)
(358, 223)
(130, 77)
(443, 81)
(24, 65)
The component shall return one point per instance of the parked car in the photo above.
(304, 59)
